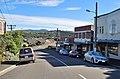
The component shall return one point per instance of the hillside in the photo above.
(43, 33)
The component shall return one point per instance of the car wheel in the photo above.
(92, 60)
(33, 61)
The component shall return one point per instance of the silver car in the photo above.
(95, 57)
(63, 51)
(27, 54)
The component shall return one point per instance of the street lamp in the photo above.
(95, 32)
(90, 11)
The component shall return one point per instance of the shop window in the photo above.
(84, 35)
(113, 49)
(102, 29)
(113, 27)
(76, 35)
(84, 48)
(79, 35)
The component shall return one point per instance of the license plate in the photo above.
(103, 61)
(26, 56)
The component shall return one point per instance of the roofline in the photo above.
(85, 25)
(108, 13)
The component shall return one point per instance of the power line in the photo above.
(8, 10)
(1, 13)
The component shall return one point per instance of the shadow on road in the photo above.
(10, 62)
(17, 63)
(48, 53)
(112, 72)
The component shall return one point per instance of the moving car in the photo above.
(95, 57)
(74, 53)
(63, 51)
(27, 54)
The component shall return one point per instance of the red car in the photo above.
(74, 53)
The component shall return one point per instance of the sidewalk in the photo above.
(2, 67)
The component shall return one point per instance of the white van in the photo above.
(27, 54)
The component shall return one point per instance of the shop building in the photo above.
(108, 34)
(83, 38)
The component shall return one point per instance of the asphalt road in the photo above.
(51, 65)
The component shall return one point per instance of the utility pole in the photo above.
(11, 27)
(57, 38)
(95, 27)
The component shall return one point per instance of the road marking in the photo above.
(82, 76)
(60, 61)
(7, 70)
(44, 56)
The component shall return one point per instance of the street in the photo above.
(51, 65)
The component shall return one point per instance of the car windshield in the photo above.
(25, 51)
(97, 53)
(64, 50)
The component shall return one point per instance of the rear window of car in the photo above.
(25, 51)
(74, 52)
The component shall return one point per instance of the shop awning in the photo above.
(87, 42)
(109, 41)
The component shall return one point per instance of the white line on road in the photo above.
(82, 76)
(7, 70)
(60, 61)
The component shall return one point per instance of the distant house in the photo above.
(36, 41)
(50, 41)
(108, 34)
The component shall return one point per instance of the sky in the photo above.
(53, 14)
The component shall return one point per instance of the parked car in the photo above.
(27, 54)
(63, 51)
(58, 48)
(95, 57)
(74, 53)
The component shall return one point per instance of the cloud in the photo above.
(73, 8)
(37, 2)
(44, 22)
(50, 2)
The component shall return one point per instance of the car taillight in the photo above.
(33, 55)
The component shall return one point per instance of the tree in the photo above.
(11, 46)
(18, 38)
(12, 41)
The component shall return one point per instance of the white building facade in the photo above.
(108, 34)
